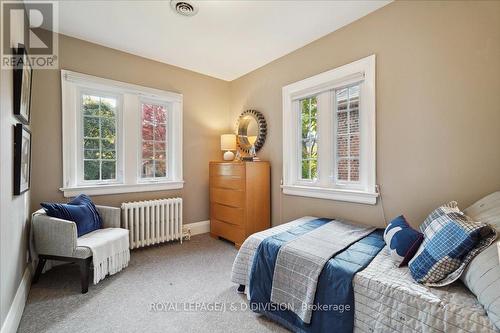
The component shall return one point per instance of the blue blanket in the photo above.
(334, 301)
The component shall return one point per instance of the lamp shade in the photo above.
(228, 142)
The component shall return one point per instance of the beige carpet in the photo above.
(194, 274)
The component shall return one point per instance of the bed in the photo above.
(386, 299)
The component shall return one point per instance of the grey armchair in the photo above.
(56, 239)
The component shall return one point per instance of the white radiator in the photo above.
(152, 222)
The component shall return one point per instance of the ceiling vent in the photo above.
(184, 8)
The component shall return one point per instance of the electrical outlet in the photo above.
(186, 233)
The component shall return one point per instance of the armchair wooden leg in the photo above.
(39, 268)
(85, 273)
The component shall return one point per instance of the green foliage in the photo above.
(309, 122)
(99, 131)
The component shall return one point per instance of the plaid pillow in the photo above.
(451, 241)
(450, 207)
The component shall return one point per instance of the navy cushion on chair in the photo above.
(402, 240)
(80, 210)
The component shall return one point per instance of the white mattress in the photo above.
(387, 299)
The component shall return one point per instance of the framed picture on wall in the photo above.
(22, 159)
(23, 73)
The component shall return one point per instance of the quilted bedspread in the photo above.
(387, 299)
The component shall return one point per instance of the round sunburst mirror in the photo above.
(251, 130)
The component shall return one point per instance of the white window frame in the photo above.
(169, 137)
(323, 86)
(79, 142)
(128, 136)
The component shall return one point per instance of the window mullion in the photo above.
(325, 138)
(100, 140)
(348, 135)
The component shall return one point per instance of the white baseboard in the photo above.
(198, 228)
(15, 313)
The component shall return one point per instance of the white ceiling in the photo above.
(226, 39)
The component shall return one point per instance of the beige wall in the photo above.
(14, 209)
(205, 117)
(438, 72)
(438, 106)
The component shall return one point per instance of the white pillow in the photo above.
(482, 275)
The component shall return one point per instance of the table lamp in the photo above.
(228, 143)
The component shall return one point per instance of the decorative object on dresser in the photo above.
(252, 131)
(228, 143)
(239, 199)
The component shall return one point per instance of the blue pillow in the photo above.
(452, 240)
(403, 241)
(80, 210)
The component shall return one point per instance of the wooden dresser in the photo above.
(239, 199)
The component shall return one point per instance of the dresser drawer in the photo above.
(227, 231)
(231, 198)
(228, 214)
(229, 182)
(227, 169)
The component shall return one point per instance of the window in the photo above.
(99, 140)
(308, 121)
(128, 138)
(347, 133)
(154, 144)
(329, 134)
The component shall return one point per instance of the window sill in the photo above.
(121, 188)
(331, 194)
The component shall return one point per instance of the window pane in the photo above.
(347, 135)
(147, 131)
(91, 154)
(90, 105)
(160, 115)
(108, 128)
(154, 136)
(108, 107)
(99, 142)
(306, 174)
(147, 112)
(342, 146)
(354, 145)
(309, 121)
(108, 155)
(354, 121)
(343, 173)
(91, 143)
(342, 126)
(91, 127)
(160, 150)
(91, 170)
(160, 168)
(108, 170)
(108, 144)
(354, 170)
(160, 132)
(147, 150)
(147, 168)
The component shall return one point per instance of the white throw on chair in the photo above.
(106, 248)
